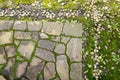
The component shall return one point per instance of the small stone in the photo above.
(49, 71)
(73, 29)
(2, 78)
(44, 54)
(22, 35)
(5, 25)
(76, 71)
(26, 48)
(60, 49)
(20, 25)
(52, 28)
(2, 56)
(34, 25)
(43, 35)
(46, 44)
(65, 39)
(21, 69)
(10, 50)
(74, 49)
(62, 67)
(56, 39)
(6, 37)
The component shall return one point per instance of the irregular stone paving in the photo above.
(37, 50)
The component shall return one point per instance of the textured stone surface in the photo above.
(22, 35)
(6, 37)
(34, 25)
(60, 49)
(74, 49)
(62, 67)
(41, 50)
(20, 25)
(49, 71)
(73, 29)
(52, 28)
(76, 70)
(44, 54)
(5, 25)
(46, 44)
(26, 48)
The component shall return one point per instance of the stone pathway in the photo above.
(37, 50)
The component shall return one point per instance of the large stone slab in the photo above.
(5, 25)
(35, 67)
(44, 54)
(46, 44)
(22, 35)
(20, 25)
(74, 49)
(76, 71)
(6, 37)
(73, 29)
(21, 69)
(49, 71)
(26, 48)
(34, 25)
(62, 67)
(52, 28)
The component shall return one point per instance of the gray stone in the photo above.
(20, 25)
(10, 50)
(49, 71)
(65, 39)
(73, 29)
(60, 48)
(43, 36)
(2, 56)
(22, 35)
(62, 67)
(74, 49)
(5, 25)
(35, 36)
(6, 37)
(46, 44)
(2, 78)
(52, 28)
(21, 69)
(33, 70)
(9, 69)
(34, 25)
(44, 54)
(26, 48)
(76, 71)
